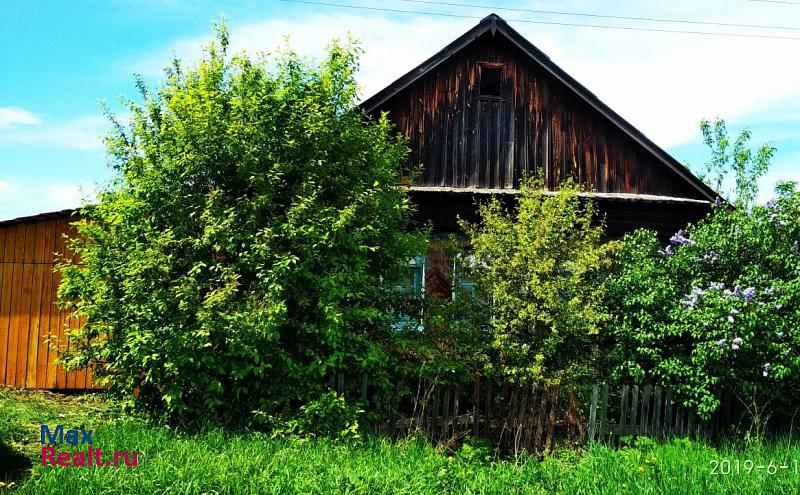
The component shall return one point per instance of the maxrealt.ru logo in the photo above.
(91, 457)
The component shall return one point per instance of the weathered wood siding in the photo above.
(29, 318)
(463, 139)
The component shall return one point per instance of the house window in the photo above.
(463, 284)
(410, 318)
(491, 79)
(416, 276)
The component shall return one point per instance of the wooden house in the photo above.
(486, 111)
(490, 109)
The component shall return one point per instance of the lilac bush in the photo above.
(715, 307)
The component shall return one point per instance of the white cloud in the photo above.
(21, 198)
(82, 133)
(10, 116)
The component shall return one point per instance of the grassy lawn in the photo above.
(217, 462)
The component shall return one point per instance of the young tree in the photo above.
(248, 246)
(746, 165)
(543, 270)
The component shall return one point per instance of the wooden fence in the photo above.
(651, 411)
(30, 322)
(536, 417)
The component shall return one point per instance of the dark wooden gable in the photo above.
(491, 109)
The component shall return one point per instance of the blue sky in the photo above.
(59, 59)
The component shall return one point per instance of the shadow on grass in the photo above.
(13, 465)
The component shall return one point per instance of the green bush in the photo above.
(542, 270)
(718, 308)
(249, 244)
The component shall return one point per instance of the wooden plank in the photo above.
(6, 269)
(34, 342)
(657, 411)
(62, 322)
(635, 411)
(645, 409)
(45, 304)
(623, 409)
(530, 423)
(540, 419)
(23, 306)
(476, 398)
(446, 404)
(593, 413)
(456, 409)
(364, 386)
(603, 410)
(437, 393)
(551, 423)
(668, 426)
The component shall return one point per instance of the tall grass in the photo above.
(214, 461)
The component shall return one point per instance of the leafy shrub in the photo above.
(247, 248)
(329, 416)
(717, 308)
(542, 269)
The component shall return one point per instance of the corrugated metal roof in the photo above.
(650, 198)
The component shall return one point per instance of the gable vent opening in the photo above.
(491, 78)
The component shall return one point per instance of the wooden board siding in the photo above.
(29, 317)
(537, 124)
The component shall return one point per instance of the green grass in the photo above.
(217, 462)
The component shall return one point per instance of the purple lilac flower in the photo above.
(771, 204)
(749, 294)
(768, 291)
(666, 252)
(679, 238)
(767, 369)
(721, 343)
(781, 223)
(737, 291)
(773, 217)
(717, 201)
(735, 347)
(716, 285)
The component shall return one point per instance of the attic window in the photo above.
(491, 78)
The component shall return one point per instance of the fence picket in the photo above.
(668, 427)
(657, 411)
(645, 409)
(634, 429)
(603, 408)
(593, 413)
(623, 410)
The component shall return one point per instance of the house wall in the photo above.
(30, 321)
(463, 139)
